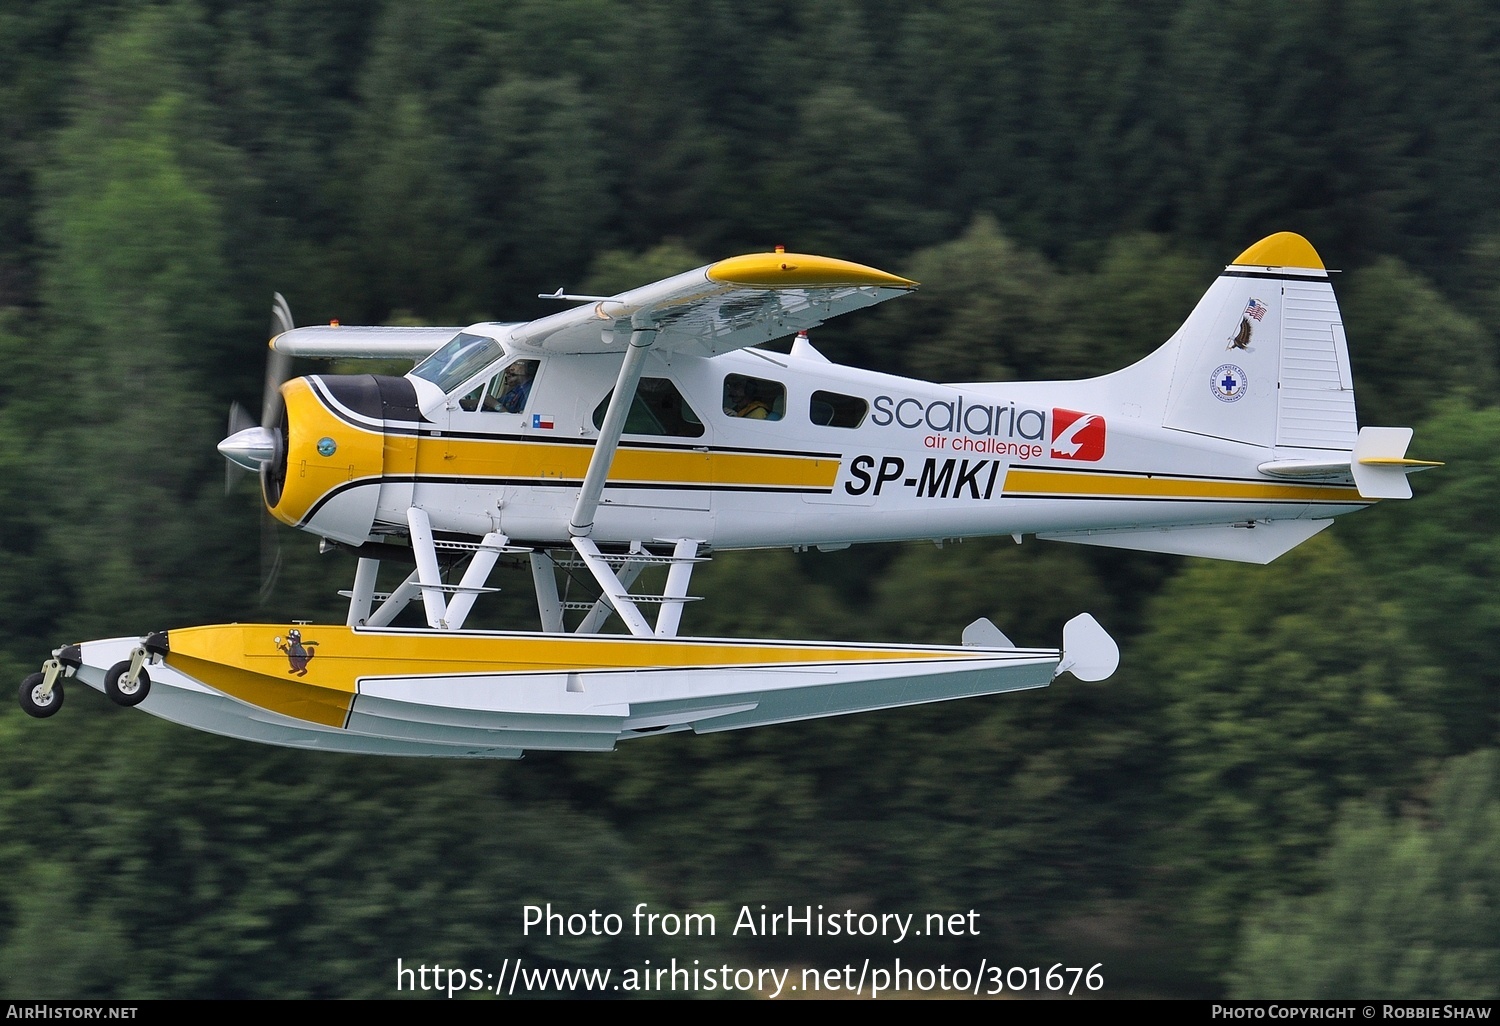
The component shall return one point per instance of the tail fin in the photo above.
(1262, 358)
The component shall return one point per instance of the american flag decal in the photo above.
(1256, 309)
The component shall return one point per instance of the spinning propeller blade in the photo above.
(251, 446)
(270, 556)
(239, 420)
(278, 370)
(278, 365)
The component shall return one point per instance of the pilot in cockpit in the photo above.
(514, 389)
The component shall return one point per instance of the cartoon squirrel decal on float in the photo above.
(299, 654)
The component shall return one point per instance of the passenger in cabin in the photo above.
(742, 400)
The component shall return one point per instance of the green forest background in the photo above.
(1292, 786)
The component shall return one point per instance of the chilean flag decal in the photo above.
(1077, 436)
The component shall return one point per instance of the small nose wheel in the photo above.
(41, 694)
(38, 699)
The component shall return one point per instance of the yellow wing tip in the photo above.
(788, 270)
(1284, 249)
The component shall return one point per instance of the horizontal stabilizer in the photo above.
(1260, 543)
(1088, 652)
(1380, 465)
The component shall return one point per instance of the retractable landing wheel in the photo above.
(127, 683)
(121, 689)
(41, 693)
(37, 699)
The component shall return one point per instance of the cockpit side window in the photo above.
(754, 398)
(506, 392)
(460, 359)
(658, 409)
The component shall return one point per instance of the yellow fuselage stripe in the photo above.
(478, 457)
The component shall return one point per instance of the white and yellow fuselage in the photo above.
(1197, 435)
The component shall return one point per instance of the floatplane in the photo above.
(649, 429)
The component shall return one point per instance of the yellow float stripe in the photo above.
(246, 662)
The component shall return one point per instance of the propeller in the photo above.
(250, 445)
(270, 556)
(278, 365)
(253, 447)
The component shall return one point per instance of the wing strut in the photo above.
(581, 524)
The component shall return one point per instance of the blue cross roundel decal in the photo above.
(1228, 383)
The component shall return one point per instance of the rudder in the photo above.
(1263, 359)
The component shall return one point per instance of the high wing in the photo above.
(728, 305)
(717, 308)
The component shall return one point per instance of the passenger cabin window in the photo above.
(506, 392)
(460, 359)
(754, 398)
(658, 409)
(829, 409)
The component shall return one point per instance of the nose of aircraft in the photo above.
(251, 448)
